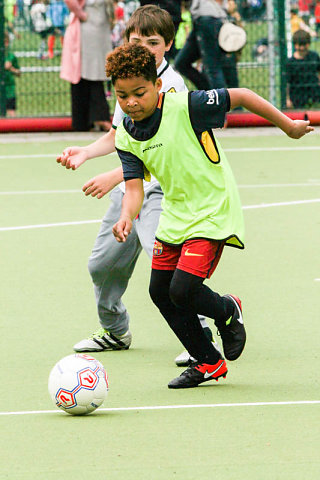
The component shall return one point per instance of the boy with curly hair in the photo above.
(111, 264)
(170, 136)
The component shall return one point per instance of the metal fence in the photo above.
(40, 92)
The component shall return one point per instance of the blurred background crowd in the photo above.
(39, 40)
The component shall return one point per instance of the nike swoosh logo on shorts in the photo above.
(189, 254)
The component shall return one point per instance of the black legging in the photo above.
(88, 104)
(180, 296)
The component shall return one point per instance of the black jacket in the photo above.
(172, 6)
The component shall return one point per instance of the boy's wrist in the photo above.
(87, 153)
(125, 217)
(288, 126)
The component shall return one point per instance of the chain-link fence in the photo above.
(36, 52)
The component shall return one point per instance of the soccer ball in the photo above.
(78, 384)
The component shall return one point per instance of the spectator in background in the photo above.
(21, 12)
(256, 9)
(244, 8)
(233, 12)
(41, 24)
(129, 7)
(304, 7)
(202, 42)
(229, 60)
(303, 73)
(119, 25)
(58, 14)
(297, 23)
(172, 6)
(317, 17)
(87, 41)
(185, 27)
(27, 10)
(9, 7)
(260, 50)
(12, 70)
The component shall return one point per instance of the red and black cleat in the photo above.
(232, 332)
(198, 373)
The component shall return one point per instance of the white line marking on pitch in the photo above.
(266, 185)
(281, 185)
(84, 222)
(39, 192)
(44, 155)
(47, 225)
(280, 204)
(244, 149)
(177, 407)
(271, 149)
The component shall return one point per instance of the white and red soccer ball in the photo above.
(78, 384)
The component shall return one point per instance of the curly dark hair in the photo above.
(130, 60)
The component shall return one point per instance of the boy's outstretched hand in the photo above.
(72, 157)
(299, 128)
(122, 228)
(102, 184)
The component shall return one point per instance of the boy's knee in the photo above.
(178, 294)
(156, 295)
(97, 270)
(184, 288)
(159, 287)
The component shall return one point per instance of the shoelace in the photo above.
(99, 333)
(227, 333)
(190, 369)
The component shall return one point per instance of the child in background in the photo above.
(130, 6)
(170, 136)
(184, 28)
(9, 18)
(119, 26)
(305, 9)
(41, 24)
(58, 15)
(297, 23)
(317, 17)
(12, 71)
(303, 73)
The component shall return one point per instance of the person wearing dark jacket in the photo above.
(202, 42)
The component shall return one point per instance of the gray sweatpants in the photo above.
(111, 263)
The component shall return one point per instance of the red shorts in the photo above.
(199, 257)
